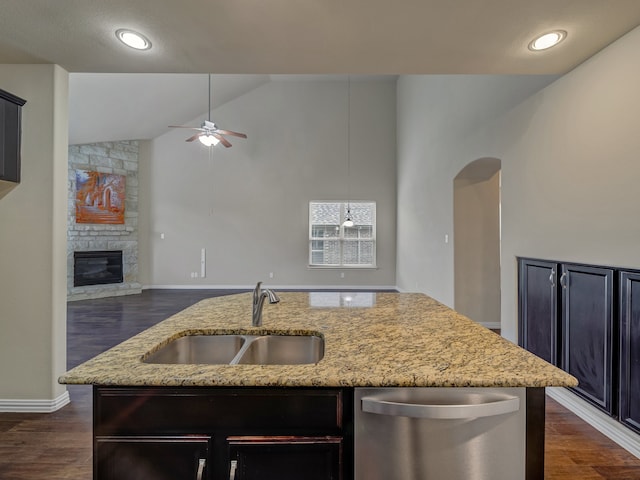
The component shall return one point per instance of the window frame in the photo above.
(341, 238)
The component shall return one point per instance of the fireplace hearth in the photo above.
(97, 267)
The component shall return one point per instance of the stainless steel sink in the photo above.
(208, 349)
(241, 349)
(283, 350)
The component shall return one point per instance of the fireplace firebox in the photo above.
(97, 267)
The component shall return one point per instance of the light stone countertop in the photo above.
(371, 339)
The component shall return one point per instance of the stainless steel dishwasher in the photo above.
(447, 433)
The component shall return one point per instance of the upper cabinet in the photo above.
(10, 136)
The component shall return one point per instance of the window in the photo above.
(333, 245)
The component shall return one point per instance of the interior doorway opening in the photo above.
(476, 207)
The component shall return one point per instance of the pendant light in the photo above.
(348, 221)
(209, 140)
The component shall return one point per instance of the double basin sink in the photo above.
(240, 349)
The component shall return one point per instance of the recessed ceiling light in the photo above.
(133, 39)
(547, 40)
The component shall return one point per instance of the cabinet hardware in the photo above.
(232, 471)
(552, 278)
(201, 464)
(563, 280)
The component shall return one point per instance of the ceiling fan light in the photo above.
(133, 39)
(208, 140)
(547, 40)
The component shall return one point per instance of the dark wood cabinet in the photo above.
(587, 331)
(567, 317)
(598, 308)
(285, 458)
(157, 458)
(249, 433)
(538, 306)
(630, 349)
(252, 433)
(10, 136)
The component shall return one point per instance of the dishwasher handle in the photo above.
(379, 405)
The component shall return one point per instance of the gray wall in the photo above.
(33, 241)
(248, 205)
(569, 172)
(437, 114)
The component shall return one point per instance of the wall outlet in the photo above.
(270, 274)
(341, 274)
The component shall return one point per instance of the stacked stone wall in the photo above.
(109, 157)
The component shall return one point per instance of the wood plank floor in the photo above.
(58, 446)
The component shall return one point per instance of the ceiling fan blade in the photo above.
(194, 137)
(229, 132)
(223, 140)
(184, 126)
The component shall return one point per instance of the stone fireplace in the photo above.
(93, 241)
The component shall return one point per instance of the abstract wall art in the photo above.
(100, 197)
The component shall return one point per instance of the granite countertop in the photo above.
(371, 339)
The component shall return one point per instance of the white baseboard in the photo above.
(606, 425)
(317, 288)
(34, 406)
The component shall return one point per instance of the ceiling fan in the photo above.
(208, 133)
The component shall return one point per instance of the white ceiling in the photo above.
(286, 37)
(311, 36)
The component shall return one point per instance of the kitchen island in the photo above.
(215, 415)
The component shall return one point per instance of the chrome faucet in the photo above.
(258, 302)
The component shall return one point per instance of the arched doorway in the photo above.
(476, 212)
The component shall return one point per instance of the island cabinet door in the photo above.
(587, 331)
(630, 350)
(157, 458)
(285, 458)
(538, 308)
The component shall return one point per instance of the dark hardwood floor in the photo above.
(58, 446)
